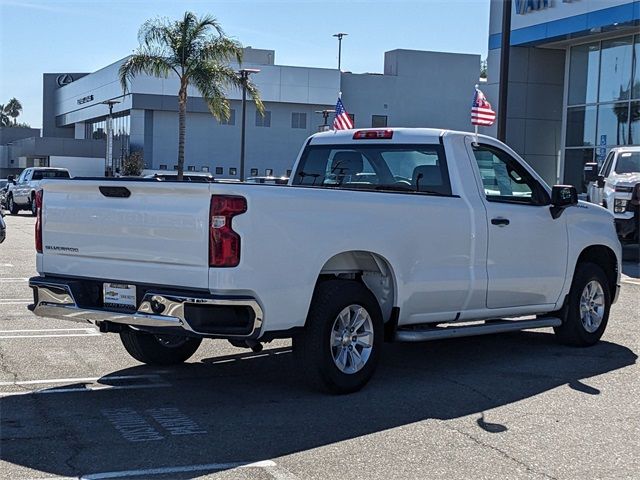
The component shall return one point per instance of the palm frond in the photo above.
(144, 62)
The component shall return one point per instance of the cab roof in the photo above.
(399, 135)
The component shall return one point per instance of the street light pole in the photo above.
(339, 36)
(108, 161)
(325, 114)
(244, 77)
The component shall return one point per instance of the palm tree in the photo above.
(13, 109)
(198, 52)
(4, 118)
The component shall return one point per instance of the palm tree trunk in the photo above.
(182, 116)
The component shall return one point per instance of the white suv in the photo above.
(22, 192)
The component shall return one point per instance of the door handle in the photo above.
(501, 222)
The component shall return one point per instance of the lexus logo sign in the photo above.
(64, 79)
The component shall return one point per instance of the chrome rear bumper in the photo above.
(55, 299)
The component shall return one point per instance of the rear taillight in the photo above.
(224, 243)
(39, 198)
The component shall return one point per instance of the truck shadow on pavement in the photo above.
(248, 408)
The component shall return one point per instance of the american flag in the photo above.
(342, 120)
(481, 111)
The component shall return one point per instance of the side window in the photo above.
(505, 180)
(23, 176)
(606, 168)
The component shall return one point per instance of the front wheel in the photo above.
(587, 310)
(340, 347)
(158, 349)
(12, 207)
(33, 207)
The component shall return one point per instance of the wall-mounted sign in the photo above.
(86, 99)
(526, 6)
(64, 79)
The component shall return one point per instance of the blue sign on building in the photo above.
(524, 6)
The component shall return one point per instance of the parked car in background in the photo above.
(403, 234)
(613, 186)
(269, 180)
(4, 186)
(3, 227)
(22, 192)
(200, 177)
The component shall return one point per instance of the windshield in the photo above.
(40, 174)
(397, 167)
(628, 162)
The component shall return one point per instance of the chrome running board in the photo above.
(423, 333)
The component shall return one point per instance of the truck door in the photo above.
(21, 186)
(527, 248)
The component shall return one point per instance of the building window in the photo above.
(378, 121)
(205, 169)
(263, 121)
(191, 168)
(298, 120)
(163, 166)
(233, 171)
(175, 167)
(231, 120)
(219, 171)
(603, 111)
(616, 59)
(254, 172)
(268, 172)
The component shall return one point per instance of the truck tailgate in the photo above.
(132, 231)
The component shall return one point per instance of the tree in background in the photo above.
(483, 69)
(13, 108)
(198, 52)
(132, 165)
(9, 114)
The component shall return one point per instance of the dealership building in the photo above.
(415, 89)
(573, 81)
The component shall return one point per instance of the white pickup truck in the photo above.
(613, 187)
(22, 192)
(395, 234)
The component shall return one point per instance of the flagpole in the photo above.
(476, 126)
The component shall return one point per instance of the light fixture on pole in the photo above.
(244, 77)
(339, 36)
(108, 161)
(325, 114)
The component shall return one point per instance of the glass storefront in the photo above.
(603, 108)
(121, 124)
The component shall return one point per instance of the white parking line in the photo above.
(266, 464)
(93, 334)
(78, 379)
(16, 301)
(11, 280)
(156, 382)
(183, 469)
(88, 330)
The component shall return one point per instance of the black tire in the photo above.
(11, 206)
(313, 350)
(158, 350)
(32, 206)
(573, 331)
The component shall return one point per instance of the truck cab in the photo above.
(22, 192)
(613, 186)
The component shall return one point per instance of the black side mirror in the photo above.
(600, 181)
(590, 172)
(562, 196)
(11, 179)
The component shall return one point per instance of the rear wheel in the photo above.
(11, 206)
(586, 313)
(340, 347)
(32, 206)
(158, 349)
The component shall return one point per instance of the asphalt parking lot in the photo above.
(74, 404)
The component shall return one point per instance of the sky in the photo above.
(59, 36)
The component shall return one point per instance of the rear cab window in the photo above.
(390, 167)
(42, 174)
